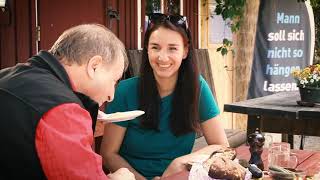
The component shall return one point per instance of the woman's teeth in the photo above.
(164, 65)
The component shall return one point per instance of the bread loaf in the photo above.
(223, 168)
(220, 165)
(225, 152)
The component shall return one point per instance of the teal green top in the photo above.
(148, 151)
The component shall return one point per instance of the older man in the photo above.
(49, 105)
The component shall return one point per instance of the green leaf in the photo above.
(224, 15)
(225, 41)
(233, 28)
(219, 49)
(218, 10)
(238, 25)
(224, 51)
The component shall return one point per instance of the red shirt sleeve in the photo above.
(63, 141)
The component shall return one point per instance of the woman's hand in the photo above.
(177, 165)
(122, 174)
(180, 163)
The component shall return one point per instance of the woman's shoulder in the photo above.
(204, 86)
(202, 80)
(129, 83)
(125, 95)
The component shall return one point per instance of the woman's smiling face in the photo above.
(166, 50)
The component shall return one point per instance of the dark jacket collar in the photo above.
(47, 61)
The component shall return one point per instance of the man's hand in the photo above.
(122, 174)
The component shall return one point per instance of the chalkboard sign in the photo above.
(283, 44)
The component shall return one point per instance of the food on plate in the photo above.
(277, 172)
(221, 152)
(221, 165)
(224, 168)
(225, 152)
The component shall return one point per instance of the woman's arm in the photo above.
(179, 164)
(215, 136)
(213, 132)
(110, 145)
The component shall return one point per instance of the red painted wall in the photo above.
(15, 37)
(18, 38)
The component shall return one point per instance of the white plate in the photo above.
(119, 116)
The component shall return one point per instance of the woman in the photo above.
(177, 103)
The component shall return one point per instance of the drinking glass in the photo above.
(280, 155)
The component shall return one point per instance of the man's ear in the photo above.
(93, 64)
(185, 51)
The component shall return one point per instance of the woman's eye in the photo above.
(154, 47)
(172, 49)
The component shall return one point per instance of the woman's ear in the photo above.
(185, 51)
(93, 63)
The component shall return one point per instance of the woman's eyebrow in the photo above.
(154, 44)
(173, 44)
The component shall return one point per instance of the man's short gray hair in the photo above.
(78, 44)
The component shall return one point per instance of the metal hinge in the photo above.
(38, 33)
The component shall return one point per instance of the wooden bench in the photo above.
(235, 137)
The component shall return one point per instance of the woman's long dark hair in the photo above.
(185, 112)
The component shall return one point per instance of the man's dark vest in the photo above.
(27, 92)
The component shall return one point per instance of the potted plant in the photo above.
(308, 81)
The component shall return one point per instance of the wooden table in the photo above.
(279, 113)
(308, 161)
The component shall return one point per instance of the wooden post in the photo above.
(244, 49)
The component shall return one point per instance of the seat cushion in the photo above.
(235, 137)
